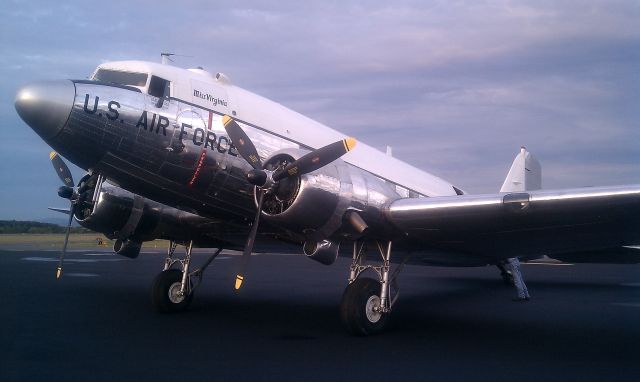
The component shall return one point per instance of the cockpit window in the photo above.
(158, 87)
(122, 78)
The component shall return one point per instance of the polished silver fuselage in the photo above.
(150, 157)
(179, 154)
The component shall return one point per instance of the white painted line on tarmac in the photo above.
(549, 264)
(239, 254)
(106, 251)
(67, 260)
(80, 275)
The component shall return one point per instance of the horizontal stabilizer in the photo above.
(65, 211)
(525, 174)
(620, 255)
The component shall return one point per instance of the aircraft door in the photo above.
(185, 145)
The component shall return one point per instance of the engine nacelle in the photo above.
(132, 219)
(122, 215)
(316, 204)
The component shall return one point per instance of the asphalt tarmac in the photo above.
(97, 323)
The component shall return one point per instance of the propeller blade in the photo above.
(316, 159)
(248, 249)
(62, 210)
(61, 169)
(242, 142)
(66, 241)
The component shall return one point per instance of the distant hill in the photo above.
(17, 226)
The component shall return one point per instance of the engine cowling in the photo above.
(316, 204)
(120, 214)
(131, 219)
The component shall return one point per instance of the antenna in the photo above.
(166, 57)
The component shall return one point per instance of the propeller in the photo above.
(266, 180)
(66, 192)
(61, 169)
(242, 142)
(315, 159)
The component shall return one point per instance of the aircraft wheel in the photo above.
(165, 292)
(357, 310)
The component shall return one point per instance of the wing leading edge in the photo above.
(531, 223)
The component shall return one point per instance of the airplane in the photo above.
(186, 155)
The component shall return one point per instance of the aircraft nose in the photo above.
(45, 106)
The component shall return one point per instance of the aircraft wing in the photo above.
(524, 224)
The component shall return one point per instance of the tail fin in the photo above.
(525, 174)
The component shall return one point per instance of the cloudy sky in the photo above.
(454, 87)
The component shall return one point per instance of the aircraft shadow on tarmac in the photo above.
(466, 308)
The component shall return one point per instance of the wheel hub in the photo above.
(175, 294)
(372, 309)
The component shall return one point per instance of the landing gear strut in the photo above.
(507, 276)
(172, 289)
(366, 302)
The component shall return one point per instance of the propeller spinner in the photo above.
(265, 180)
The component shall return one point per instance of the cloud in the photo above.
(455, 87)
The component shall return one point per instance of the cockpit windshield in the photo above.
(121, 78)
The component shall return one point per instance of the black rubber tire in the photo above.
(353, 308)
(160, 292)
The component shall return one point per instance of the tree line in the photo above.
(17, 226)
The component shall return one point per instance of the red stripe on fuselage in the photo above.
(203, 156)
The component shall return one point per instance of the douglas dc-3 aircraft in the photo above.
(187, 156)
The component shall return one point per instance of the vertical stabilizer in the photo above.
(525, 174)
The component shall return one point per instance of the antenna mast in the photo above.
(165, 57)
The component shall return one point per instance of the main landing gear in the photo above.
(366, 302)
(172, 289)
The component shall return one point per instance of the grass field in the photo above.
(55, 241)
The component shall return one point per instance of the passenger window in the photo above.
(158, 87)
